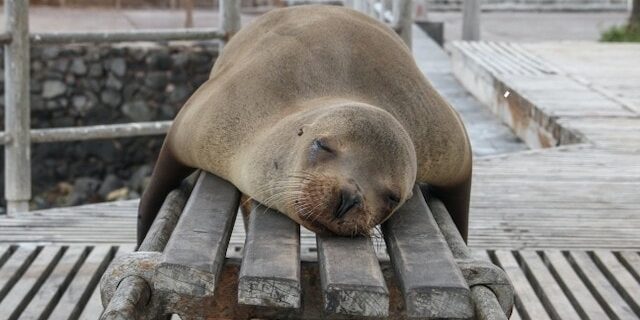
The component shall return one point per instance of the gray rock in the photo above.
(113, 82)
(138, 111)
(118, 66)
(83, 189)
(110, 98)
(129, 91)
(179, 94)
(180, 60)
(160, 60)
(156, 80)
(136, 182)
(35, 86)
(52, 105)
(36, 65)
(64, 102)
(95, 70)
(37, 103)
(70, 79)
(78, 67)
(62, 122)
(50, 52)
(138, 54)
(53, 88)
(110, 183)
(79, 103)
(167, 112)
(61, 65)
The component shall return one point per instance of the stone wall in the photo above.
(89, 85)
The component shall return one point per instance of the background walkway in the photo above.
(503, 26)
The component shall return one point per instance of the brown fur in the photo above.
(303, 73)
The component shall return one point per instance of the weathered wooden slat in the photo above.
(431, 281)
(195, 252)
(351, 278)
(49, 293)
(93, 309)
(631, 260)
(14, 267)
(84, 281)
(620, 277)
(548, 290)
(579, 295)
(270, 272)
(168, 216)
(21, 293)
(526, 300)
(486, 305)
(604, 292)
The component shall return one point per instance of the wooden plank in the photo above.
(22, 292)
(431, 282)
(627, 286)
(527, 301)
(84, 282)
(604, 292)
(168, 215)
(15, 266)
(93, 308)
(547, 288)
(50, 292)
(196, 250)
(270, 272)
(486, 305)
(631, 260)
(351, 278)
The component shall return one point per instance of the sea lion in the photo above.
(321, 113)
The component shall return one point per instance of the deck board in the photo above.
(549, 283)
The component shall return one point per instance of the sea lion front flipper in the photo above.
(456, 199)
(167, 175)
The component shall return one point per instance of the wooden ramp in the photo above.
(578, 106)
(60, 282)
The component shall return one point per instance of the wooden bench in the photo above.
(181, 268)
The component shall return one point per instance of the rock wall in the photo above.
(89, 85)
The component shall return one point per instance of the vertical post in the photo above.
(188, 8)
(17, 118)
(403, 19)
(229, 18)
(471, 20)
(358, 5)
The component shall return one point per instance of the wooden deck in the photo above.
(60, 282)
(563, 221)
(578, 105)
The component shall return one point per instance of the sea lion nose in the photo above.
(348, 200)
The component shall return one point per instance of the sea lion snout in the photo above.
(350, 198)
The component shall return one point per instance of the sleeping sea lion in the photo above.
(319, 112)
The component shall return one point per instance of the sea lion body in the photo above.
(312, 72)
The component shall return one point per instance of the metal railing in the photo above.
(18, 135)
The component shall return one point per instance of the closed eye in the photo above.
(321, 145)
(393, 200)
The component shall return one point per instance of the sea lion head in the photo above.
(338, 170)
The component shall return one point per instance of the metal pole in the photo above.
(471, 20)
(17, 152)
(229, 18)
(403, 19)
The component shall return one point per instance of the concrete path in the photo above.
(503, 26)
(487, 133)
(578, 104)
